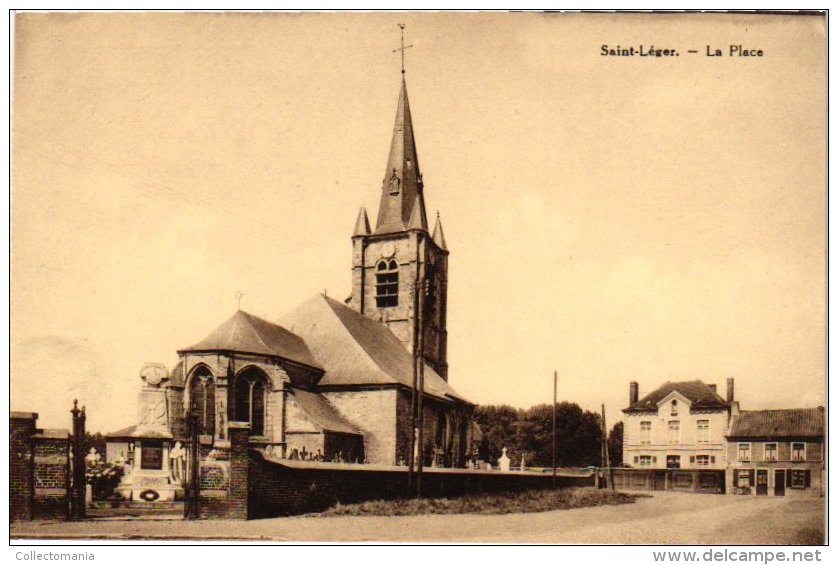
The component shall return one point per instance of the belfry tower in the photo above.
(400, 269)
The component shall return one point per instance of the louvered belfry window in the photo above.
(387, 284)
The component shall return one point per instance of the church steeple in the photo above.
(402, 186)
(362, 224)
(400, 271)
(439, 236)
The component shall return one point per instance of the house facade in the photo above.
(776, 452)
(679, 425)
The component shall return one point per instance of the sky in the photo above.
(609, 218)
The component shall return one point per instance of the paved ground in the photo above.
(664, 518)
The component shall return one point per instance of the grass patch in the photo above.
(497, 503)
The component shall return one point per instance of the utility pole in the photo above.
(606, 458)
(412, 447)
(421, 388)
(555, 387)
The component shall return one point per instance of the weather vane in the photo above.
(239, 295)
(403, 47)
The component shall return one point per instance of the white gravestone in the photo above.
(503, 461)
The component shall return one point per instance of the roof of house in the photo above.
(321, 412)
(700, 395)
(795, 422)
(357, 350)
(246, 333)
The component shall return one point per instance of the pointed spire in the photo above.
(439, 236)
(418, 219)
(402, 180)
(362, 224)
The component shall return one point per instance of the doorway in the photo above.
(762, 481)
(779, 482)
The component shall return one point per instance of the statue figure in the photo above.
(92, 459)
(177, 456)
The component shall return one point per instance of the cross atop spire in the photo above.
(402, 48)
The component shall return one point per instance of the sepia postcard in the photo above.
(418, 277)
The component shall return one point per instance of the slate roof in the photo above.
(769, 424)
(357, 350)
(699, 394)
(246, 333)
(396, 209)
(321, 412)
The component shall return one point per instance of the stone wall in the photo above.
(296, 487)
(373, 413)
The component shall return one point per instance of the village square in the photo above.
(346, 419)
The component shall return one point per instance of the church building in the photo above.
(330, 380)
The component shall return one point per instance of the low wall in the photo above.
(281, 487)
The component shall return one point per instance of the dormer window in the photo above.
(387, 283)
(673, 408)
(395, 183)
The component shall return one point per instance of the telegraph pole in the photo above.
(412, 444)
(606, 458)
(555, 387)
(421, 388)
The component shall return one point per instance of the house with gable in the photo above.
(679, 425)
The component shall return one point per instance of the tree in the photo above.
(615, 445)
(530, 432)
(499, 425)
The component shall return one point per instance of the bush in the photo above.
(104, 478)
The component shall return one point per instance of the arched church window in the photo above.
(387, 284)
(202, 400)
(250, 400)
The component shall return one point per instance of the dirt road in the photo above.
(664, 518)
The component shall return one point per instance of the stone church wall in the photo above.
(372, 412)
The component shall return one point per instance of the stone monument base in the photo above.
(144, 485)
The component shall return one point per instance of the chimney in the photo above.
(713, 388)
(633, 392)
(730, 389)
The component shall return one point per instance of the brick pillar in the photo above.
(239, 433)
(21, 488)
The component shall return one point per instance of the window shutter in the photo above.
(752, 477)
(788, 478)
(808, 478)
(736, 477)
(712, 459)
(636, 459)
(654, 458)
(692, 458)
